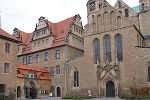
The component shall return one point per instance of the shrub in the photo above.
(78, 97)
(1, 97)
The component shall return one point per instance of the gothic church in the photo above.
(106, 58)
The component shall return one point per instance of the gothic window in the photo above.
(94, 27)
(119, 50)
(92, 6)
(106, 21)
(149, 73)
(107, 48)
(118, 21)
(97, 51)
(76, 78)
(113, 19)
(126, 12)
(99, 23)
(119, 4)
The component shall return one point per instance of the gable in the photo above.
(122, 6)
(107, 19)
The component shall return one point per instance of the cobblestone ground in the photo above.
(56, 98)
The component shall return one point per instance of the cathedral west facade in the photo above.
(106, 58)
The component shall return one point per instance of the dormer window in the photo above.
(38, 33)
(92, 6)
(43, 32)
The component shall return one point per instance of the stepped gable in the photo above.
(41, 73)
(59, 31)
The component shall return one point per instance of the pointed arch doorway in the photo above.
(110, 89)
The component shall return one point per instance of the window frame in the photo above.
(51, 71)
(7, 47)
(57, 69)
(30, 60)
(37, 58)
(6, 68)
(76, 78)
(57, 54)
(46, 58)
(24, 62)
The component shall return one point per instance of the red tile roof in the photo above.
(24, 69)
(5, 34)
(59, 30)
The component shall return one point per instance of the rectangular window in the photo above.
(34, 44)
(46, 57)
(37, 58)
(43, 32)
(57, 69)
(149, 74)
(24, 61)
(57, 54)
(51, 71)
(7, 47)
(30, 60)
(43, 42)
(6, 67)
(38, 44)
(47, 40)
(2, 88)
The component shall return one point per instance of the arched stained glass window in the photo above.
(107, 48)
(119, 48)
(97, 50)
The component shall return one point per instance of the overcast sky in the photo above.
(24, 14)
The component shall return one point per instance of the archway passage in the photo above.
(58, 92)
(31, 91)
(110, 89)
(18, 92)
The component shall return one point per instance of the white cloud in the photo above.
(24, 14)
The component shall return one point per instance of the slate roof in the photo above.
(42, 73)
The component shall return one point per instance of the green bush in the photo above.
(78, 97)
(1, 97)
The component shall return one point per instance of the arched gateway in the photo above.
(31, 90)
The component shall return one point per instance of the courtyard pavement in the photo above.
(56, 98)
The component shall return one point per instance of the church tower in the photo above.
(144, 5)
(92, 7)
